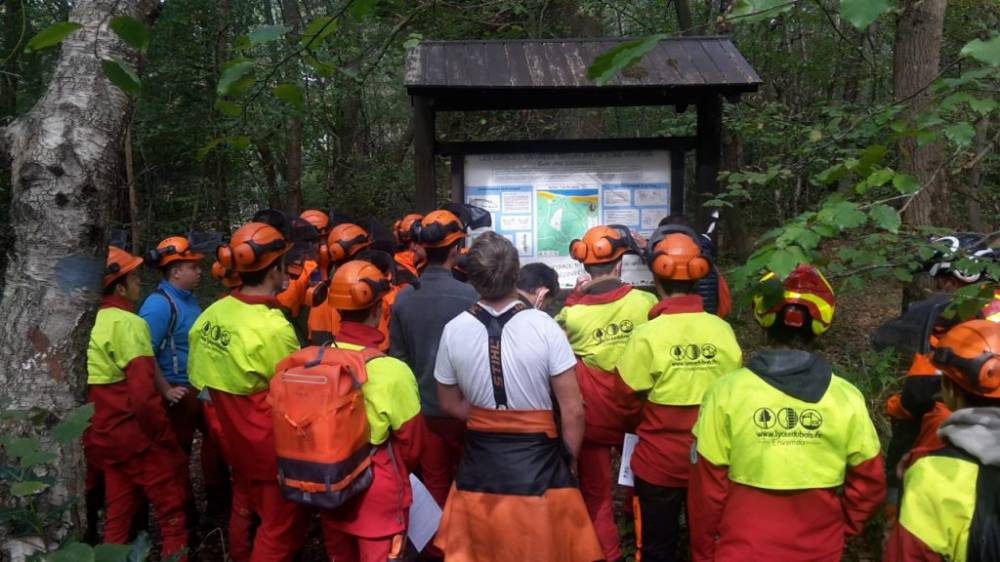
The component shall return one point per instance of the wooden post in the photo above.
(707, 155)
(423, 153)
(458, 178)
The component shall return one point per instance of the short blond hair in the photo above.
(492, 266)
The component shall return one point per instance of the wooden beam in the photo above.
(566, 145)
(707, 155)
(423, 154)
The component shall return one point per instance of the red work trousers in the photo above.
(283, 529)
(442, 450)
(186, 416)
(158, 474)
(596, 485)
(344, 547)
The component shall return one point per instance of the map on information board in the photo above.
(542, 202)
(561, 215)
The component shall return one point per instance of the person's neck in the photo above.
(499, 304)
(443, 264)
(262, 290)
(179, 287)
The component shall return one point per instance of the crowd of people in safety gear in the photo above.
(340, 367)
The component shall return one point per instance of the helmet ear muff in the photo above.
(578, 249)
(316, 294)
(365, 293)
(224, 254)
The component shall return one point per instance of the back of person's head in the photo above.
(968, 356)
(676, 220)
(356, 288)
(602, 247)
(492, 266)
(796, 310)
(676, 260)
(439, 232)
(254, 250)
(534, 276)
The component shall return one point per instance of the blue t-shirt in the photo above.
(156, 312)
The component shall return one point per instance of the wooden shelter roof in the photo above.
(515, 74)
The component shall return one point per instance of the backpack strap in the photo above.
(171, 327)
(494, 330)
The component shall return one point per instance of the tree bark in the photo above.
(917, 55)
(65, 157)
(133, 195)
(684, 17)
(293, 141)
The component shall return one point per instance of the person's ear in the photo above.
(540, 297)
(618, 268)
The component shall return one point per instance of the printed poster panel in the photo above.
(542, 202)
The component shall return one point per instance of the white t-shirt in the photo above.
(532, 348)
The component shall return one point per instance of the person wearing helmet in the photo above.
(669, 363)
(387, 265)
(235, 345)
(502, 368)
(787, 462)
(373, 525)
(130, 437)
(916, 411)
(344, 242)
(170, 310)
(418, 318)
(599, 316)
(713, 288)
(951, 496)
(410, 256)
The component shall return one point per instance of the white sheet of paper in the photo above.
(425, 515)
(625, 477)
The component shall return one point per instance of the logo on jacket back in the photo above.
(694, 354)
(787, 426)
(215, 335)
(614, 331)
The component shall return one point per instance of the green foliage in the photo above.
(267, 34)
(25, 478)
(362, 8)
(318, 29)
(986, 52)
(620, 57)
(861, 13)
(233, 72)
(120, 74)
(291, 94)
(132, 31)
(51, 36)
(750, 11)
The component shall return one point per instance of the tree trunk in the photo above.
(917, 54)
(65, 157)
(219, 159)
(133, 195)
(684, 17)
(293, 141)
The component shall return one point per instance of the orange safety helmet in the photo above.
(317, 218)
(173, 249)
(229, 279)
(346, 240)
(439, 229)
(356, 285)
(602, 244)
(969, 355)
(673, 254)
(403, 228)
(804, 287)
(252, 248)
(119, 263)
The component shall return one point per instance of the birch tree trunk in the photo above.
(65, 156)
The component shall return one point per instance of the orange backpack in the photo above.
(321, 430)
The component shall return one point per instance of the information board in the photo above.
(542, 202)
